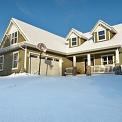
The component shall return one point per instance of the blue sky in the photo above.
(59, 16)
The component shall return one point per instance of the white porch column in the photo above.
(74, 66)
(117, 56)
(60, 66)
(25, 59)
(74, 61)
(89, 59)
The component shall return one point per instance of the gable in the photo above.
(12, 28)
(79, 40)
(108, 33)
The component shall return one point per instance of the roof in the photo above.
(105, 24)
(35, 35)
(78, 33)
(89, 45)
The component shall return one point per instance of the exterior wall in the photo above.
(120, 56)
(30, 50)
(80, 61)
(80, 65)
(66, 64)
(8, 59)
(97, 59)
(109, 34)
(6, 41)
(79, 40)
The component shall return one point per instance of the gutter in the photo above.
(22, 45)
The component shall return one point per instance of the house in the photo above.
(100, 49)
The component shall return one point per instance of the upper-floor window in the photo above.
(101, 35)
(14, 38)
(15, 60)
(74, 41)
(107, 60)
(1, 62)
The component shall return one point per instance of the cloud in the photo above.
(23, 9)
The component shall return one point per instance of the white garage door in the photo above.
(50, 70)
(34, 64)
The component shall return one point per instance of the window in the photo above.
(14, 37)
(1, 62)
(74, 41)
(101, 35)
(107, 60)
(15, 60)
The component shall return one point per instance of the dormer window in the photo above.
(74, 42)
(101, 35)
(14, 38)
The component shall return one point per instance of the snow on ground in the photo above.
(26, 98)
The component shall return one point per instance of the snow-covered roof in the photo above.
(104, 24)
(78, 33)
(89, 45)
(57, 44)
(36, 35)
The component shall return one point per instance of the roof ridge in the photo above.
(14, 19)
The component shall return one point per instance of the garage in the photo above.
(50, 66)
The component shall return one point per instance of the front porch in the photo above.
(99, 62)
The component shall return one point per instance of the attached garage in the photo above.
(49, 65)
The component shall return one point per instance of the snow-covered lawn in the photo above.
(61, 99)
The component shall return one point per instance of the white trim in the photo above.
(37, 54)
(109, 35)
(60, 66)
(25, 59)
(2, 42)
(89, 59)
(76, 32)
(76, 42)
(14, 38)
(2, 63)
(98, 35)
(107, 59)
(117, 56)
(74, 61)
(104, 24)
(13, 68)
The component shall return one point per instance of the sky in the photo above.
(59, 16)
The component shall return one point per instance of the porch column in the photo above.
(25, 60)
(74, 65)
(60, 66)
(89, 65)
(117, 69)
(89, 59)
(117, 56)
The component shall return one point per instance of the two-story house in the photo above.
(100, 49)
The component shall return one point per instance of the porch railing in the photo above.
(69, 71)
(102, 69)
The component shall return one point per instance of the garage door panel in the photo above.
(53, 70)
(34, 65)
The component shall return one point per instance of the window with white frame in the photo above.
(101, 35)
(15, 60)
(1, 62)
(14, 38)
(107, 60)
(74, 41)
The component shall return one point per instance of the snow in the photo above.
(31, 98)
(33, 33)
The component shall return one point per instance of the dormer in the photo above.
(102, 32)
(75, 38)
